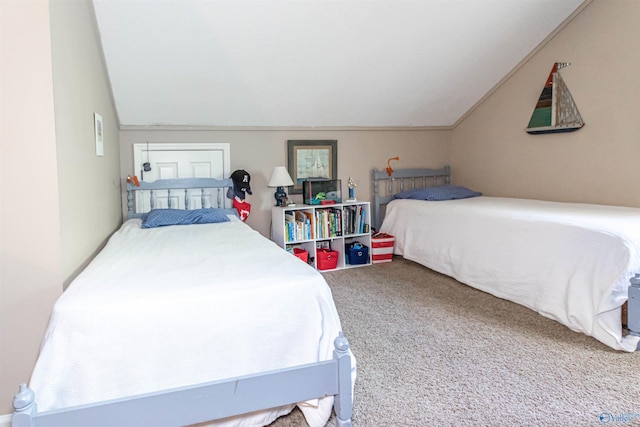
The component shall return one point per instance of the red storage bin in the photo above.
(301, 253)
(326, 259)
(382, 247)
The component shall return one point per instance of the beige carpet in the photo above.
(434, 352)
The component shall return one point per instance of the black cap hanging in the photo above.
(241, 184)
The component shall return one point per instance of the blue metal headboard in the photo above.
(180, 188)
(400, 180)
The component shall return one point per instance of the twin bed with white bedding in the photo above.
(213, 312)
(569, 262)
(185, 324)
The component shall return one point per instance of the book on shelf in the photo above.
(328, 223)
(297, 226)
(355, 219)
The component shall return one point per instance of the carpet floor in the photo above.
(432, 351)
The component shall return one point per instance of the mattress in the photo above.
(174, 306)
(567, 261)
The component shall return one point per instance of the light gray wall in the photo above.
(60, 201)
(259, 151)
(90, 208)
(597, 164)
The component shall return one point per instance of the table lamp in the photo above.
(280, 178)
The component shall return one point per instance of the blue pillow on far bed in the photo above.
(162, 217)
(437, 193)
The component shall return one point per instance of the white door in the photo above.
(183, 160)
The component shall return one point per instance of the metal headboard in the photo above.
(385, 186)
(212, 193)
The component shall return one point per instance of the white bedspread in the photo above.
(570, 262)
(174, 306)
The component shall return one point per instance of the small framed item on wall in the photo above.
(311, 159)
(97, 125)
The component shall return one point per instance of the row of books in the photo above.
(328, 223)
(354, 219)
(331, 222)
(298, 226)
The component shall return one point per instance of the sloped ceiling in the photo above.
(319, 63)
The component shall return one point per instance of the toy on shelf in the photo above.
(352, 190)
(322, 191)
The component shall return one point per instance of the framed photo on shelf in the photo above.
(311, 159)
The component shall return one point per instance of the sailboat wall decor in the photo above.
(555, 110)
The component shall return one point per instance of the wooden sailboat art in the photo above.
(555, 110)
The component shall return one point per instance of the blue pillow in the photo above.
(437, 193)
(162, 217)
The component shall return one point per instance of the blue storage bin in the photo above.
(356, 253)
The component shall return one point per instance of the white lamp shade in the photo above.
(280, 177)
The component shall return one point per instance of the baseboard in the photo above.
(5, 420)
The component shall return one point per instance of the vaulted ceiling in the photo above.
(320, 63)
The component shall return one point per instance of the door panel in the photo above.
(183, 160)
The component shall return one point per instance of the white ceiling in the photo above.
(316, 63)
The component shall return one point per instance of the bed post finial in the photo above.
(24, 407)
(341, 343)
(343, 403)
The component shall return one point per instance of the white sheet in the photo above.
(174, 306)
(569, 262)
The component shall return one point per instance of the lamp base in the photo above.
(280, 196)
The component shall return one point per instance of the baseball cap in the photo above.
(241, 181)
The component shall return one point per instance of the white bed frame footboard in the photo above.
(209, 401)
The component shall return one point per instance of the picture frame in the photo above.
(97, 127)
(311, 159)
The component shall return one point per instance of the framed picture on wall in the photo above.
(97, 127)
(311, 159)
